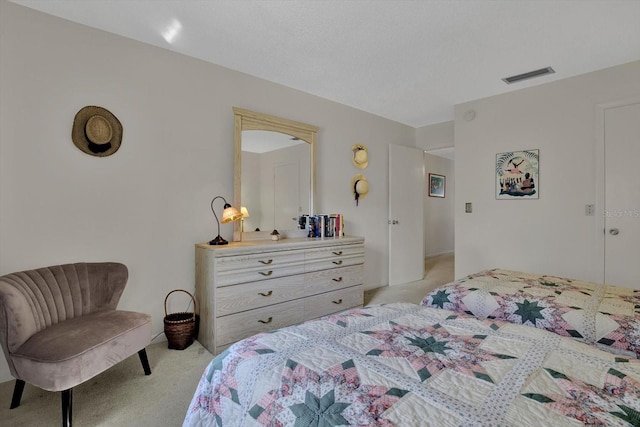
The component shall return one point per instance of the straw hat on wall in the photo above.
(360, 187)
(360, 156)
(96, 131)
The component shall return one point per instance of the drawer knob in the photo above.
(337, 253)
(268, 273)
(265, 262)
(337, 262)
(268, 294)
(337, 302)
(339, 279)
(266, 321)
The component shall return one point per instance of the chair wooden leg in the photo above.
(67, 407)
(17, 394)
(145, 362)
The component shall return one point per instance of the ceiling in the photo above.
(408, 61)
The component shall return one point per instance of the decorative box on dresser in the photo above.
(248, 287)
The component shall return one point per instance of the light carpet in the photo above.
(439, 270)
(120, 396)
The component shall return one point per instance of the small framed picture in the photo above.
(436, 185)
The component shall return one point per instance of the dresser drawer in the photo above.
(332, 253)
(333, 302)
(234, 327)
(233, 277)
(333, 257)
(318, 282)
(259, 260)
(326, 264)
(247, 296)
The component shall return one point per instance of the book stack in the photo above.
(337, 225)
(325, 225)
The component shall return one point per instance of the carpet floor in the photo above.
(120, 396)
(438, 270)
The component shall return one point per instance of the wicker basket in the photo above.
(180, 328)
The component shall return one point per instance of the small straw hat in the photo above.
(360, 157)
(360, 187)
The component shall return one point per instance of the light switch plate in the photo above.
(468, 208)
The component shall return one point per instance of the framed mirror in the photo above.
(274, 174)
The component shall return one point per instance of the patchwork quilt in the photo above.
(602, 315)
(408, 365)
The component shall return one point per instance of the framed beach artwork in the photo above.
(436, 185)
(517, 175)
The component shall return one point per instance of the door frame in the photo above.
(600, 180)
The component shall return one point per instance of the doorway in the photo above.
(439, 213)
(619, 193)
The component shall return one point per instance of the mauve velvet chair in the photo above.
(59, 327)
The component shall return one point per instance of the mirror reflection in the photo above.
(275, 180)
(274, 174)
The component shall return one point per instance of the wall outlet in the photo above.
(468, 208)
(589, 210)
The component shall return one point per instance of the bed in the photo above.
(601, 315)
(408, 364)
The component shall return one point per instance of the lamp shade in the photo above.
(245, 212)
(230, 214)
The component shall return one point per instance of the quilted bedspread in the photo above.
(606, 316)
(411, 365)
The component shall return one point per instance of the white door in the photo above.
(286, 200)
(622, 195)
(406, 219)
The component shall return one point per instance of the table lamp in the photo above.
(229, 214)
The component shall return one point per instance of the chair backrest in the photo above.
(35, 299)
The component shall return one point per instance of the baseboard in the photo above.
(440, 253)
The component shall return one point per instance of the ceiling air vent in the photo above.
(528, 75)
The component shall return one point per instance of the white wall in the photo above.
(148, 204)
(439, 212)
(551, 235)
(439, 135)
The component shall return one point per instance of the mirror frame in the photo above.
(250, 120)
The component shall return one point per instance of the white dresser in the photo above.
(244, 288)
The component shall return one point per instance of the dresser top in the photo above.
(279, 245)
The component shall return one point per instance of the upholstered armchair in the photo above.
(59, 327)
